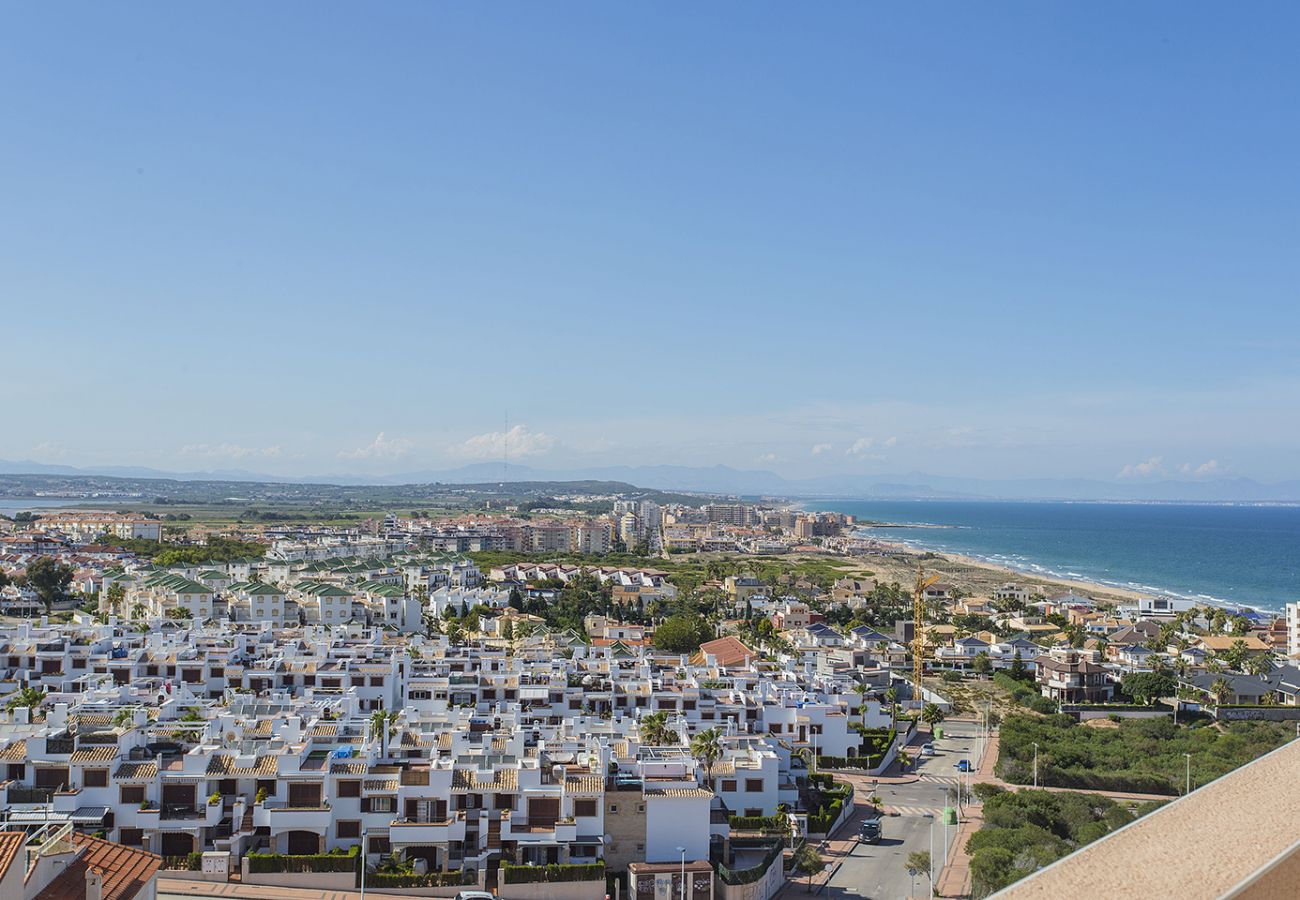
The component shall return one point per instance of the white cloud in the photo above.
(1153, 466)
(519, 441)
(768, 458)
(49, 450)
(382, 447)
(860, 447)
(819, 449)
(230, 451)
(1207, 469)
(891, 441)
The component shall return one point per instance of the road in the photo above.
(878, 871)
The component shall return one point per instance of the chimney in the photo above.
(94, 883)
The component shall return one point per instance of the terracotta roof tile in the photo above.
(95, 754)
(126, 871)
(11, 842)
(263, 767)
(136, 771)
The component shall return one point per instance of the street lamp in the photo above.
(1187, 789)
(682, 851)
(364, 832)
(930, 816)
(1035, 763)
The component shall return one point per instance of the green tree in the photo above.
(808, 861)
(1018, 669)
(681, 634)
(919, 861)
(982, 664)
(654, 730)
(1259, 664)
(1220, 690)
(931, 714)
(50, 579)
(28, 697)
(706, 747)
(891, 695)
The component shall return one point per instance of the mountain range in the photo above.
(755, 482)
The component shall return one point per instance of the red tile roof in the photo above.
(11, 842)
(729, 651)
(126, 871)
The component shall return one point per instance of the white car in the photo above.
(927, 749)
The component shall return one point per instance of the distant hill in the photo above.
(729, 481)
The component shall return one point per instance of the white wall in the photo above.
(673, 822)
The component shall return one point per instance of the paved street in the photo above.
(877, 871)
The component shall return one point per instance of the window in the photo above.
(348, 829)
(94, 778)
(132, 837)
(753, 785)
(613, 807)
(132, 793)
(382, 804)
(584, 807)
(379, 845)
(349, 789)
(729, 784)
(753, 811)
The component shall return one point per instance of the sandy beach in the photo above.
(898, 562)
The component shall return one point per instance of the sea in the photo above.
(1237, 555)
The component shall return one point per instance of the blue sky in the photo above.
(968, 239)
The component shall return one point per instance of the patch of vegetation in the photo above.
(1141, 755)
(1026, 830)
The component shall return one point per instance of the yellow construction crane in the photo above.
(918, 630)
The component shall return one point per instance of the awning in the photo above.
(89, 815)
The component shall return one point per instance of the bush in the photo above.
(312, 862)
(190, 862)
(429, 879)
(952, 677)
(1026, 830)
(1141, 755)
(512, 874)
(775, 824)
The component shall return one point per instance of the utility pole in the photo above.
(1035, 763)
(1187, 788)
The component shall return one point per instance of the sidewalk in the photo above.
(189, 888)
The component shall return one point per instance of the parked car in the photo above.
(474, 895)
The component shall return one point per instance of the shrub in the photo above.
(312, 862)
(512, 874)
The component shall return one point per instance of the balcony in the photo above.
(409, 832)
(560, 831)
(280, 816)
(178, 814)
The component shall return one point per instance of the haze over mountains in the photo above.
(727, 480)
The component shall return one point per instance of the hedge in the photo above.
(190, 862)
(778, 823)
(312, 862)
(429, 879)
(513, 874)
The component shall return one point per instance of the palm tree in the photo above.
(655, 731)
(383, 725)
(1220, 690)
(904, 760)
(707, 748)
(1258, 665)
(861, 690)
(892, 696)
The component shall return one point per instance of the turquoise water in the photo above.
(1246, 555)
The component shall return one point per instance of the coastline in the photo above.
(983, 576)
